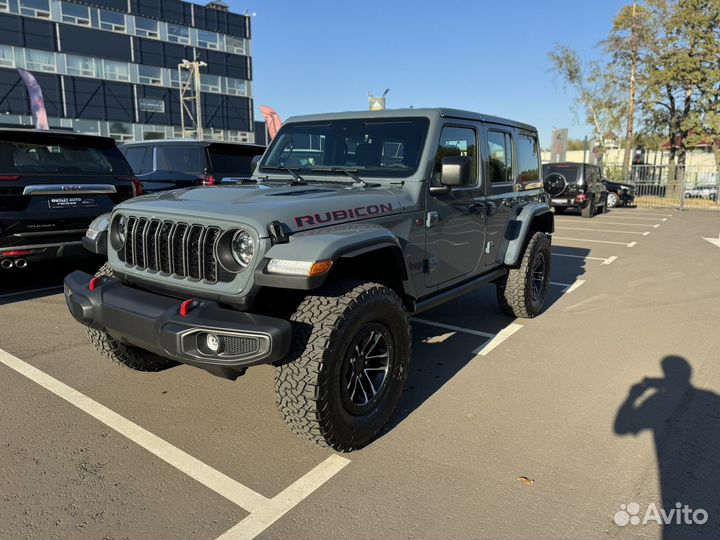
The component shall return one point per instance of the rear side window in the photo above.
(456, 141)
(499, 148)
(181, 159)
(231, 161)
(528, 158)
(60, 156)
(140, 159)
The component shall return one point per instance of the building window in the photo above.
(117, 71)
(35, 8)
(178, 34)
(120, 131)
(234, 45)
(7, 59)
(208, 40)
(236, 87)
(146, 28)
(151, 133)
(214, 134)
(151, 105)
(175, 77)
(209, 83)
(40, 60)
(80, 65)
(110, 20)
(75, 14)
(86, 126)
(150, 75)
(4, 5)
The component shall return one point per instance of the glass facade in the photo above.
(110, 67)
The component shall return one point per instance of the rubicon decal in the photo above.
(341, 215)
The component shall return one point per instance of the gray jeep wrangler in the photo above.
(351, 223)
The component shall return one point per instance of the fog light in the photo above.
(213, 343)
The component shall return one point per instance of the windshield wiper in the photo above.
(348, 171)
(297, 179)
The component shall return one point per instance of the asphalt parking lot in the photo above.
(92, 450)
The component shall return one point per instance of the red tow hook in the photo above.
(94, 282)
(186, 306)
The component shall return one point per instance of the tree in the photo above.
(596, 87)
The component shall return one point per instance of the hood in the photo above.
(301, 207)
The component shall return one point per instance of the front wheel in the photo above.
(348, 364)
(522, 292)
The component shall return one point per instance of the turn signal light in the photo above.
(320, 267)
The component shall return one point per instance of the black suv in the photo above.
(52, 185)
(180, 163)
(575, 185)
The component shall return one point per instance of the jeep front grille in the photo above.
(177, 249)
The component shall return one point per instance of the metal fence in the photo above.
(676, 186)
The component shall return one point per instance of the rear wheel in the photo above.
(613, 199)
(120, 353)
(522, 292)
(589, 210)
(348, 364)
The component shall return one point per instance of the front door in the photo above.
(455, 221)
(501, 196)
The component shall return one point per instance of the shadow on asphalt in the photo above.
(685, 423)
(476, 311)
(41, 279)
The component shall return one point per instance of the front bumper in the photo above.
(154, 322)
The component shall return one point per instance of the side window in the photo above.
(181, 159)
(499, 148)
(528, 159)
(456, 141)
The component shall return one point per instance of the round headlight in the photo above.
(122, 226)
(243, 247)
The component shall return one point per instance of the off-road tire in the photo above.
(589, 210)
(308, 385)
(514, 291)
(125, 355)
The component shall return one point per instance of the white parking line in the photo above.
(286, 500)
(656, 226)
(630, 217)
(601, 230)
(604, 260)
(589, 240)
(568, 287)
(455, 328)
(713, 241)
(263, 511)
(575, 221)
(32, 291)
(654, 214)
(631, 244)
(610, 260)
(501, 336)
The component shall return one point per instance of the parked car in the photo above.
(619, 193)
(701, 192)
(52, 185)
(317, 268)
(575, 185)
(178, 163)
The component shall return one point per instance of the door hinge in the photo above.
(431, 219)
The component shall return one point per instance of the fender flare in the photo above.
(335, 242)
(518, 230)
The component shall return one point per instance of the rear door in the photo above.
(455, 221)
(499, 161)
(53, 185)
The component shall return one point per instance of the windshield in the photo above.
(62, 156)
(383, 147)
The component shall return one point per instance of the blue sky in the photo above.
(491, 57)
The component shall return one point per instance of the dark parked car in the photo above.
(619, 193)
(575, 185)
(52, 185)
(180, 163)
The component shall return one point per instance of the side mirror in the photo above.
(456, 171)
(254, 162)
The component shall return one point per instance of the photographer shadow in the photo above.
(685, 422)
